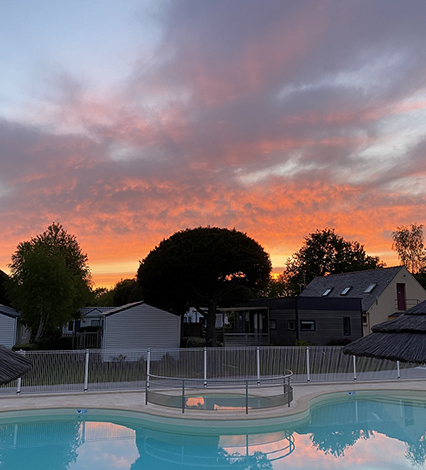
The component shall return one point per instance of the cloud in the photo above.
(275, 118)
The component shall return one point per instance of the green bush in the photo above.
(193, 342)
(25, 347)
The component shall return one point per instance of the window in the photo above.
(291, 325)
(346, 290)
(346, 326)
(95, 323)
(327, 292)
(272, 325)
(307, 325)
(370, 288)
(365, 319)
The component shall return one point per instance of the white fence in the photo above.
(95, 370)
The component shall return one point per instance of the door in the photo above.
(400, 297)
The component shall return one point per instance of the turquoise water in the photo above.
(352, 433)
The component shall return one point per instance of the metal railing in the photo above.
(97, 369)
(408, 304)
(194, 395)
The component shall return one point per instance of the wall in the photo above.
(7, 330)
(141, 326)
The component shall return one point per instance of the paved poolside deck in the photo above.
(134, 401)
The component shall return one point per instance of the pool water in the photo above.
(350, 433)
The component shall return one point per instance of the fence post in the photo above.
(288, 390)
(183, 396)
(246, 397)
(148, 368)
(258, 365)
(146, 392)
(205, 367)
(398, 371)
(308, 372)
(86, 371)
(18, 385)
(354, 361)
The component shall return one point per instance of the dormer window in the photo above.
(370, 288)
(327, 292)
(346, 290)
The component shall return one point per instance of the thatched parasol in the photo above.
(12, 365)
(402, 339)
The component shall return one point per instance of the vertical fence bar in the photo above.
(18, 385)
(247, 397)
(183, 396)
(284, 387)
(205, 367)
(258, 365)
(288, 391)
(308, 372)
(86, 371)
(354, 361)
(148, 368)
(397, 369)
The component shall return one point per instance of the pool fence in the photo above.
(97, 369)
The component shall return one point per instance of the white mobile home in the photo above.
(140, 326)
(11, 331)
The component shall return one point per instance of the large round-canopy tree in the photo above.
(201, 268)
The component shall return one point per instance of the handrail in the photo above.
(236, 379)
(287, 389)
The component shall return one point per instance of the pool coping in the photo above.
(132, 404)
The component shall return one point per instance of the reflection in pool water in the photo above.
(347, 434)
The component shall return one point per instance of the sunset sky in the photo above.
(126, 121)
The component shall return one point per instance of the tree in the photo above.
(124, 292)
(408, 244)
(325, 252)
(203, 267)
(50, 280)
(4, 299)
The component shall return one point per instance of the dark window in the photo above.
(95, 323)
(291, 325)
(364, 319)
(272, 324)
(307, 325)
(70, 326)
(346, 326)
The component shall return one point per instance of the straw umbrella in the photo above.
(402, 339)
(12, 365)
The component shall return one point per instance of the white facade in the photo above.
(387, 302)
(8, 327)
(140, 326)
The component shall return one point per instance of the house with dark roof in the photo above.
(289, 320)
(385, 293)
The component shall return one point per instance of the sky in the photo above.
(128, 121)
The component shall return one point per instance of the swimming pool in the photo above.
(350, 432)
